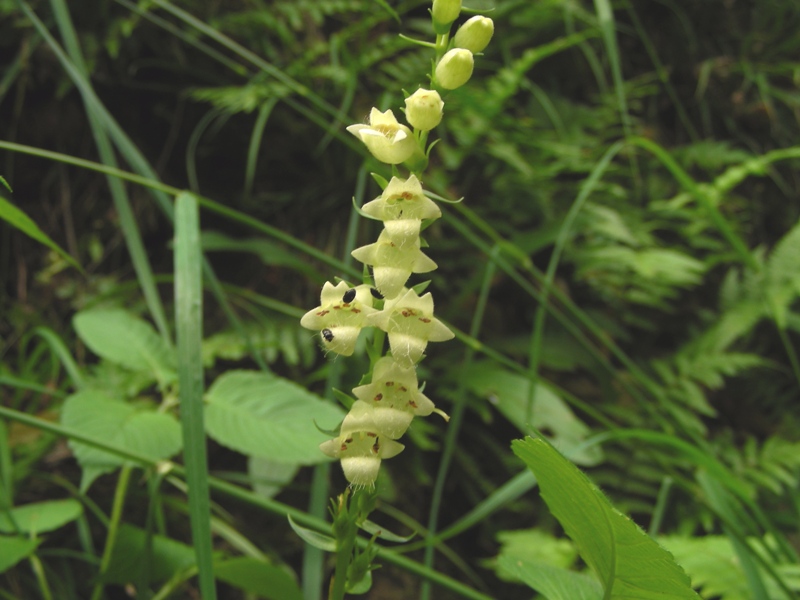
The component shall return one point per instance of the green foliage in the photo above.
(625, 560)
(138, 428)
(40, 517)
(673, 308)
(267, 416)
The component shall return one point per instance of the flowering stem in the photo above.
(442, 40)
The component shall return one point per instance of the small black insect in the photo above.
(349, 296)
(327, 335)
(375, 293)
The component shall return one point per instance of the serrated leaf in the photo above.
(159, 557)
(552, 582)
(508, 392)
(135, 428)
(537, 546)
(124, 339)
(258, 577)
(316, 539)
(14, 548)
(261, 414)
(40, 517)
(628, 563)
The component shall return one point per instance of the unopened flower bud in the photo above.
(455, 68)
(475, 34)
(445, 12)
(424, 109)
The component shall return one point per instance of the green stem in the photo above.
(113, 528)
(38, 569)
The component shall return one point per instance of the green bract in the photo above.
(339, 322)
(387, 140)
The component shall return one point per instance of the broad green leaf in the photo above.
(261, 414)
(124, 339)
(258, 577)
(712, 565)
(18, 219)
(552, 582)
(628, 563)
(315, 538)
(508, 392)
(135, 428)
(268, 476)
(14, 548)
(159, 557)
(40, 517)
(536, 546)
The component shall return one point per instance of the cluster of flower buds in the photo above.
(384, 408)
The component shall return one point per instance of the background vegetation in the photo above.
(624, 272)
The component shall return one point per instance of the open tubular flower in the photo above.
(424, 109)
(341, 315)
(393, 398)
(410, 324)
(361, 453)
(402, 206)
(388, 141)
(455, 68)
(393, 262)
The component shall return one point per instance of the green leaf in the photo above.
(18, 219)
(261, 414)
(40, 517)
(535, 545)
(316, 539)
(14, 548)
(135, 428)
(258, 577)
(553, 582)
(627, 561)
(384, 534)
(268, 476)
(133, 554)
(124, 339)
(508, 392)
(269, 252)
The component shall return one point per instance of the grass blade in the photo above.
(188, 320)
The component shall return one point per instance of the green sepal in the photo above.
(380, 180)
(344, 399)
